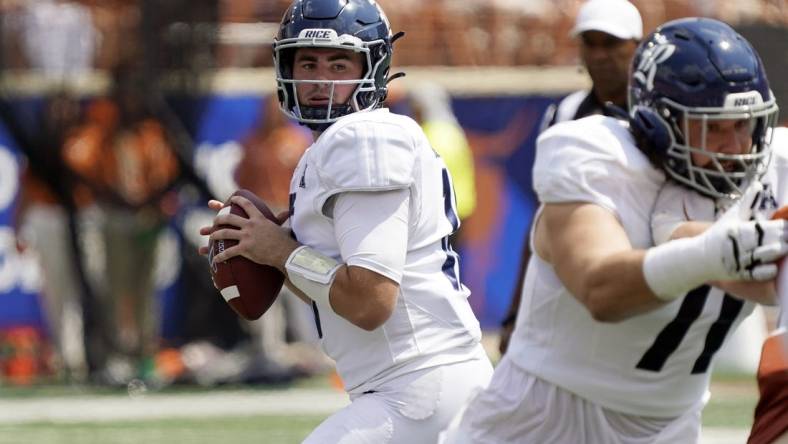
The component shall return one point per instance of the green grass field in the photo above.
(733, 399)
(241, 430)
(731, 407)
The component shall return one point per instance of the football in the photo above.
(250, 288)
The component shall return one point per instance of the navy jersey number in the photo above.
(669, 339)
(451, 267)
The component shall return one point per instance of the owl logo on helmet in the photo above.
(652, 57)
(694, 72)
(354, 25)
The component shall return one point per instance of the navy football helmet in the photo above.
(700, 69)
(355, 25)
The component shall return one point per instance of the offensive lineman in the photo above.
(372, 208)
(615, 336)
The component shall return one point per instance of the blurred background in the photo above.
(119, 119)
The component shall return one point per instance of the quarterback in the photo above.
(616, 335)
(371, 211)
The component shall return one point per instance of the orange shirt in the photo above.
(136, 162)
(771, 413)
(269, 161)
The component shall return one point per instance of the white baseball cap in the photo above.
(619, 18)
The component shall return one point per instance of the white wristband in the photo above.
(676, 267)
(312, 272)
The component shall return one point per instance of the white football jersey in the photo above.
(656, 364)
(432, 323)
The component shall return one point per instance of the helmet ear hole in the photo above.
(649, 126)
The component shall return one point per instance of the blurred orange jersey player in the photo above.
(771, 413)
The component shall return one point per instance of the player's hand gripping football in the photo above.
(259, 239)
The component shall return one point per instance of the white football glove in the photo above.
(746, 250)
(730, 250)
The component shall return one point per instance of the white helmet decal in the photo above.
(653, 56)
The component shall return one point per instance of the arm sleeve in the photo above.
(371, 229)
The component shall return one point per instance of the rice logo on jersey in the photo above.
(765, 202)
(653, 56)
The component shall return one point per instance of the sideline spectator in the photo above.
(41, 220)
(123, 153)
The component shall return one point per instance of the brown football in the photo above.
(250, 288)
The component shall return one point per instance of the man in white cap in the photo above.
(608, 32)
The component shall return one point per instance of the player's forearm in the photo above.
(366, 301)
(615, 288)
(363, 297)
(279, 254)
(689, 229)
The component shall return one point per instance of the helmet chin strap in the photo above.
(319, 113)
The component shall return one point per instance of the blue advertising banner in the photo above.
(502, 133)
(19, 280)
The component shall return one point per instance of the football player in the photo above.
(608, 32)
(616, 336)
(372, 209)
